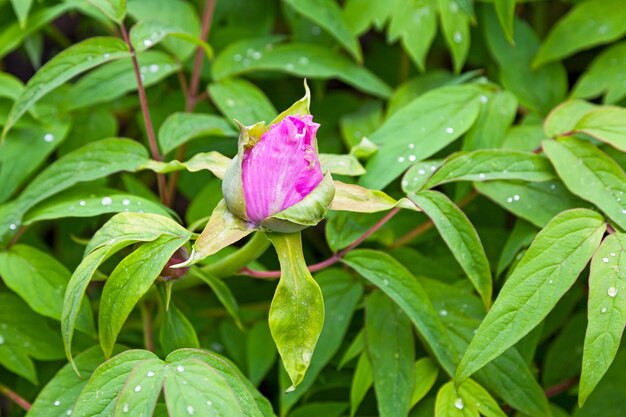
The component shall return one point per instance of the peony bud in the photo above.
(276, 181)
(171, 274)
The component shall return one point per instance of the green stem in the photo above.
(232, 263)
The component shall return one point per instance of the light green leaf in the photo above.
(536, 202)
(73, 61)
(607, 312)
(10, 86)
(590, 174)
(341, 294)
(585, 26)
(497, 114)
(240, 99)
(176, 331)
(341, 164)
(563, 118)
(391, 350)
(419, 174)
(115, 79)
(147, 33)
(352, 197)
(426, 125)
(354, 349)
(223, 229)
(301, 60)
(606, 400)
(548, 269)
(537, 89)
(455, 25)
(426, 372)
(22, 7)
(141, 389)
(296, 315)
(25, 335)
(89, 201)
(402, 287)
(362, 380)
(460, 236)
(180, 128)
(29, 271)
(492, 164)
(107, 381)
(328, 15)
(505, 10)
(113, 9)
(607, 124)
(475, 396)
(222, 292)
(605, 75)
(416, 24)
(128, 282)
(450, 404)
(203, 161)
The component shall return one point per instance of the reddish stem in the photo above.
(146, 113)
(15, 397)
(330, 261)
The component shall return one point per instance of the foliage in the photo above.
(473, 151)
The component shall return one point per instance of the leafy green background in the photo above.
(477, 148)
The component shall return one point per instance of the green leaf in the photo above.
(260, 352)
(223, 229)
(450, 404)
(240, 99)
(73, 61)
(548, 269)
(301, 60)
(416, 24)
(455, 25)
(402, 287)
(520, 237)
(10, 86)
(296, 315)
(505, 9)
(590, 174)
(25, 335)
(180, 128)
(60, 393)
(607, 312)
(328, 15)
(176, 331)
(605, 124)
(391, 349)
(362, 380)
(341, 294)
(116, 79)
(128, 282)
(426, 372)
(120, 231)
(90, 201)
(536, 202)
(341, 164)
(497, 114)
(354, 198)
(147, 33)
(460, 236)
(605, 75)
(354, 349)
(477, 397)
(222, 292)
(113, 9)
(107, 381)
(22, 7)
(606, 400)
(563, 118)
(585, 26)
(537, 89)
(492, 164)
(141, 389)
(29, 271)
(420, 129)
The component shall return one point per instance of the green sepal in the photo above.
(307, 212)
(301, 107)
(296, 315)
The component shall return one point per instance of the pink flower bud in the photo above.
(281, 168)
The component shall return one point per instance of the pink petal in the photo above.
(282, 168)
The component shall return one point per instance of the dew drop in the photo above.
(143, 70)
(48, 137)
(125, 201)
(106, 201)
(180, 368)
(421, 171)
(154, 68)
(612, 253)
(516, 197)
(189, 410)
(303, 60)
(209, 403)
(147, 43)
(401, 159)
(604, 310)
(150, 374)
(509, 200)
(433, 168)
(412, 158)
(12, 226)
(230, 102)
(605, 260)
(449, 130)
(623, 211)
(612, 292)
(306, 356)
(553, 186)
(458, 38)
(237, 57)
(256, 55)
(138, 388)
(125, 408)
(481, 176)
(386, 281)
(57, 403)
(454, 7)
(106, 56)
(483, 99)
(81, 202)
(289, 67)
(69, 412)
(459, 403)
(411, 145)
(443, 313)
